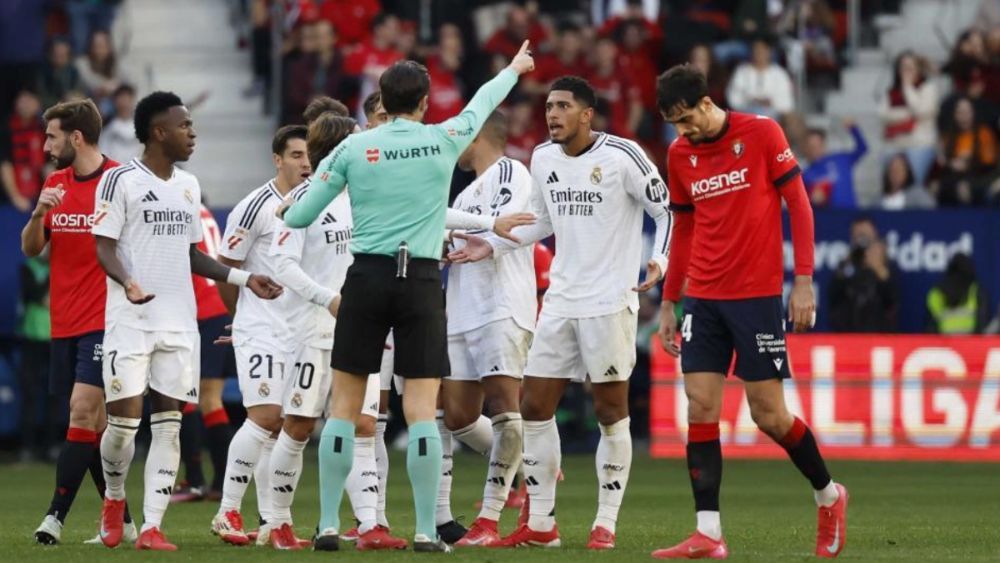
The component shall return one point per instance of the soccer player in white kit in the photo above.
(146, 221)
(593, 188)
(261, 340)
(491, 308)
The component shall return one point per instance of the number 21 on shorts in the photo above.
(686, 327)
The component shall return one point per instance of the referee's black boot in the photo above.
(326, 540)
(423, 544)
(451, 532)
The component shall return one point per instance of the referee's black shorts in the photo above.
(373, 300)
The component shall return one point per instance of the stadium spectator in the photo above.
(370, 59)
(38, 429)
(908, 110)
(22, 49)
(567, 58)
(87, 17)
(22, 159)
(59, 77)
(900, 189)
(260, 48)
(351, 19)
(812, 23)
(761, 86)
(638, 48)
(100, 71)
(317, 71)
(616, 89)
(520, 26)
(446, 98)
(523, 130)
(864, 292)
(967, 157)
(609, 12)
(957, 304)
(637, 19)
(750, 22)
(829, 177)
(702, 58)
(118, 140)
(968, 64)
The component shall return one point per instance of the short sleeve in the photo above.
(680, 199)
(110, 205)
(782, 165)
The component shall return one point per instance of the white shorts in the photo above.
(307, 392)
(260, 365)
(602, 348)
(136, 360)
(497, 348)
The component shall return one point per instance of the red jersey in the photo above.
(366, 57)
(503, 43)
(732, 185)
(27, 140)
(206, 292)
(351, 19)
(445, 99)
(550, 67)
(543, 263)
(77, 285)
(620, 93)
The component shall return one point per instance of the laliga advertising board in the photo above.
(878, 397)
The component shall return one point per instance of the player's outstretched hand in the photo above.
(505, 223)
(224, 339)
(49, 198)
(279, 212)
(653, 276)
(135, 294)
(802, 304)
(668, 328)
(523, 61)
(475, 249)
(264, 287)
(334, 306)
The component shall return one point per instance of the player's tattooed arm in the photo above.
(107, 255)
(204, 265)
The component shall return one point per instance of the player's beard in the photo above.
(66, 157)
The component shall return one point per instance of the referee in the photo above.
(398, 176)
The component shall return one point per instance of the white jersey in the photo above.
(483, 292)
(249, 230)
(155, 222)
(322, 252)
(593, 203)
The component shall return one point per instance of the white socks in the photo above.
(285, 471)
(382, 466)
(363, 483)
(613, 461)
(161, 466)
(262, 476)
(244, 455)
(709, 523)
(542, 459)
(117, 449)
(827, 495)
(478, 436)
(442, 513)
(505, 458)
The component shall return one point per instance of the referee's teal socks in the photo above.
(423, 463)
(336, 454)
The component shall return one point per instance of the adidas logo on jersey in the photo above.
(329, 218)
(552, 178)
(150, 196)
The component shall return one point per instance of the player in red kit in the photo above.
(62, 219)
(728, 173)
(217, 363)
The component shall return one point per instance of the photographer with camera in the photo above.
(864, 293)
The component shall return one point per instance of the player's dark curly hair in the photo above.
(148, 108)
(682, 86)
(582, 91)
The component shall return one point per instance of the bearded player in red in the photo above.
(62, 219)
(728, 173)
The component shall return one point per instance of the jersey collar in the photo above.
(93, 175)
(138, 164)
(722, 133)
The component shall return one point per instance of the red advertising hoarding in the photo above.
(865, 397)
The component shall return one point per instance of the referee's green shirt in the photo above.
(398, 177)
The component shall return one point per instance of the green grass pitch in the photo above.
(898, 512)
